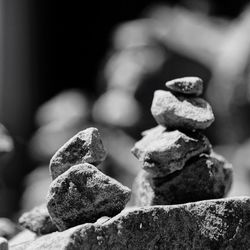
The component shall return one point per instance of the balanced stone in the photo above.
(38, 221)
(186, 85)
(163, 152)
(179, 112)
(86, 146)
(210, 224)
(84, 194)
(205, 177)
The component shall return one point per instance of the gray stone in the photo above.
(86, 146)
(186, 85)
(83, 194)
(163, 153)
(179, 112)
(211, 224)
(205, 177)
(4, 245)
(38, 221)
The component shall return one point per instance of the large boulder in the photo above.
(211, 224)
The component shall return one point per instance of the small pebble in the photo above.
(186, 85)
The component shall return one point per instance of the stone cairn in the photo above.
(179, 165)
(79, 192)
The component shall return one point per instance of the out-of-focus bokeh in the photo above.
(67, 66)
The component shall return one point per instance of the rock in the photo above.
(186, 85)
(3, 244)
(211, 224)
(86, 146)
(163, 153)
(84, 194)
(179, 112)
(207, 177)
(8, 229)
(38, 221)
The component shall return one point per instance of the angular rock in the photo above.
(4, 245)
(83, 194)
(186, 85)
(38, 221)
(211, 224)
(179, 112)
(163, 152)
(86, 146)
(205, 177)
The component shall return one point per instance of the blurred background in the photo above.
(67, 66)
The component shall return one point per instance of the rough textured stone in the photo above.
(186, 85)
(38, 221)
(3, 244)
(212, 224)
(205, 177)
(179, 112)
(84, 194)
(86, 146)
(162, 153)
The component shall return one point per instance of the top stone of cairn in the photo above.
(186, 85)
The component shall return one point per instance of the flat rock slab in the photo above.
(38, 221)
(186, 85)
(86, 146)
(212, 224)
(180, 112)
(163, 152)
(84, 194)
(205, 177)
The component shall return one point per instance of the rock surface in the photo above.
(205, 177)
(163, 152)
(212, 224)
(4, 245)
(179, 112)
(38, 221)
(186, 85)
(86, 146)
(83, 194)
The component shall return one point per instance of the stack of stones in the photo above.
(179, 164)
(79, 193)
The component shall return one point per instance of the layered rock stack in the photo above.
(79, 193)
(178, 162)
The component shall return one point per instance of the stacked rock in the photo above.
(178, 162)
(79, 193)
